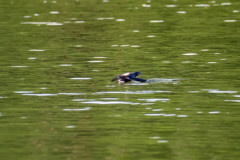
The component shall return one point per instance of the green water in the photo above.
(57, 100)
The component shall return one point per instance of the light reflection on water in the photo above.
(78, 109)
(109, 102)
(44, 23)
(39, 95)
(154, 99)
(80, 78)
(126, 92)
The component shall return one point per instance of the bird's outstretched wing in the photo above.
(135, 74)
(127, 77)
(138, 79)
(116, 78)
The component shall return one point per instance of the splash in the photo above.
(164, 80)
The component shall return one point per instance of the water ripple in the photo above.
(126, 92)
(40, 95)
(80, 78)
(78, 109)
(232, 101)
(154, 99)
(71, 93)
(109, 102)
(44, 23)
(217, 91)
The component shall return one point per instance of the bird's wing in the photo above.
(116, 78)
(135, 74)
(138, 79)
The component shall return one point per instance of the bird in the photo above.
(128, 77)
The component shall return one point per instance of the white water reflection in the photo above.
(36, 50)
(155, 99)
(135, 46)
(155, 137)
(32, 58)
(202, 5)
(186, 61)
(19, 66)
(73, 94)
(145, 104)
(162, 141)
(146, 5)
(95, 61)
(236, 96)
(80, 78)
(225, 4)
(181, 12)
(193, 91)
(79, 100)
(232, 20)
(169, 115)
(156, 21)
(131, 92)
(136, 84)
(165, 115)
(171, 5)
(79, 21)
(27, 16)
(126, 92)
(99, 57)
(232, 101)
(23, 92)
(70, 126)
(154, 114)
(109, 98)
(159, 91)
(110, 102)
(40, 95)
(106, 18)
(54, 12)
(65, 65)
(78, 109)
(156, 110)
(212, 62)
(182, 115)
(151, 36)
(120, 20)
(160, 114)
(164, 80)
(189, 54)
(43, 23)
(125, 45)
(214, 112)
(218, 91)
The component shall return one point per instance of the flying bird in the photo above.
(128, 77)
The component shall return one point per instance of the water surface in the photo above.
(58, 59)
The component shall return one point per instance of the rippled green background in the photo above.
(47, 114)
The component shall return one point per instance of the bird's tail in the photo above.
(139, 79)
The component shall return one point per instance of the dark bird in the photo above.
(128, 77)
